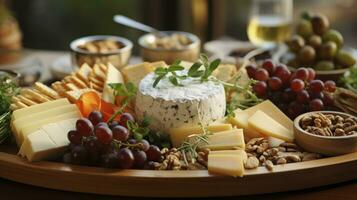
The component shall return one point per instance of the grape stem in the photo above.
(120, 110)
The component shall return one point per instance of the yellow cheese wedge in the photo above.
(266, 125)
(113, 76)
(225, 140)
(233, 152)
(135, 73)
(39, 146)
(226, 164)
(25, 131)
(17, 124)
(178, 135)
(241, 121)
(17, 114)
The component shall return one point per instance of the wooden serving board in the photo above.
(150, 183)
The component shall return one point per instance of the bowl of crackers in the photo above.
(101, 49)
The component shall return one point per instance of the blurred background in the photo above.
(53, 24)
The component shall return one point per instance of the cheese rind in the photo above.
(178, 135)
(268, 126)
(19, 113)
(226, 164)
(226, 140)
(170, 106)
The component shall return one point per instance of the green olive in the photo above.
(307, 55)
(315, 41)
(345, 59)
(295, 43)
(334, 36)
(304, 28)
(328, 50)
(324, 65)
(320, 24)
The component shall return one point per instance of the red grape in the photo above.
(314, 95)
(95, 117)
(84, 127)
(260, 88)
(275, 96)
(269, 66)
(74, 137)
(150, 165)
(316, 86)
(132, 141)
(91, 144)
(283, 73)
(295, 109)
(79, 155)
(302, 74)
(261, 75)
(104, 134)
(145, 144)
(288, 95)
(330, 86)
(303, 96)
(312, 74)
(113, 124)
(328, 100)
(251, 69)
(120, 133)
(124, 118)
(110, 160)
(139, 159)
(101, 124)
(153, 153)
(297, 85)
(275, 83)
(316, 105)
(126, 158)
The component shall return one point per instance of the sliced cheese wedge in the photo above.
(25, 131)
(226, 164)
(112, 76)
(231, 152)
(266, 125)
(226, 140)
(241, 121)
(178, 135)
(19, 113)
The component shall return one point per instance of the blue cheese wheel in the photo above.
(170, 106)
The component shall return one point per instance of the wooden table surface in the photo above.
(13, 190)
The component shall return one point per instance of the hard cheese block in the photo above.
(170, 106)
(135, 73)
(241, 118)
(225, 140)
(266, 125)
(178, 135)
(19, 113)
(239, 152)
(113, 76)
(26, 130)
(47, 142)
(226, 164)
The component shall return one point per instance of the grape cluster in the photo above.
(294, 93)
(111, 145)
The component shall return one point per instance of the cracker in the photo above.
(13, 106)
(96, 81)
(73, 96)
(83, 72)
(35, 95)
(96, 87)
(78, 82)
(103, 67)
(19, 105)
(98, 73)
(70, 86)
(15, 99)
(46, 90)
(26, 100)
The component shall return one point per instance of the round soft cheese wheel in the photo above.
(170, 106)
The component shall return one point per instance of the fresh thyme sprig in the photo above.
(127, 92)
(195, 71)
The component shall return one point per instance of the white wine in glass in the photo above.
(270, 22)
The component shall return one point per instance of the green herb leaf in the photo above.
(213, 66)
(176, 62)
(160, 71)
(174, 81)
(173, 68)
(193, 69)
(157, 80)
(146, 121)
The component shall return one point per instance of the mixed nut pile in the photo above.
(329, 125)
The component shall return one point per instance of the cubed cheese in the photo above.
(178, 135)
(226, 164)
(266, 125)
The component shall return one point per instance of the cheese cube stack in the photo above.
(229, 163)
(226, 140)
(178, 135)
(28, 120)
(48, 142)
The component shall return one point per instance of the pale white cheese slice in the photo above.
(113, 76)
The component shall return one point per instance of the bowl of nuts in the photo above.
(169, 46)
(326, 132)
(101, 49)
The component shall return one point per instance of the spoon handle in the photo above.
(120, 19)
